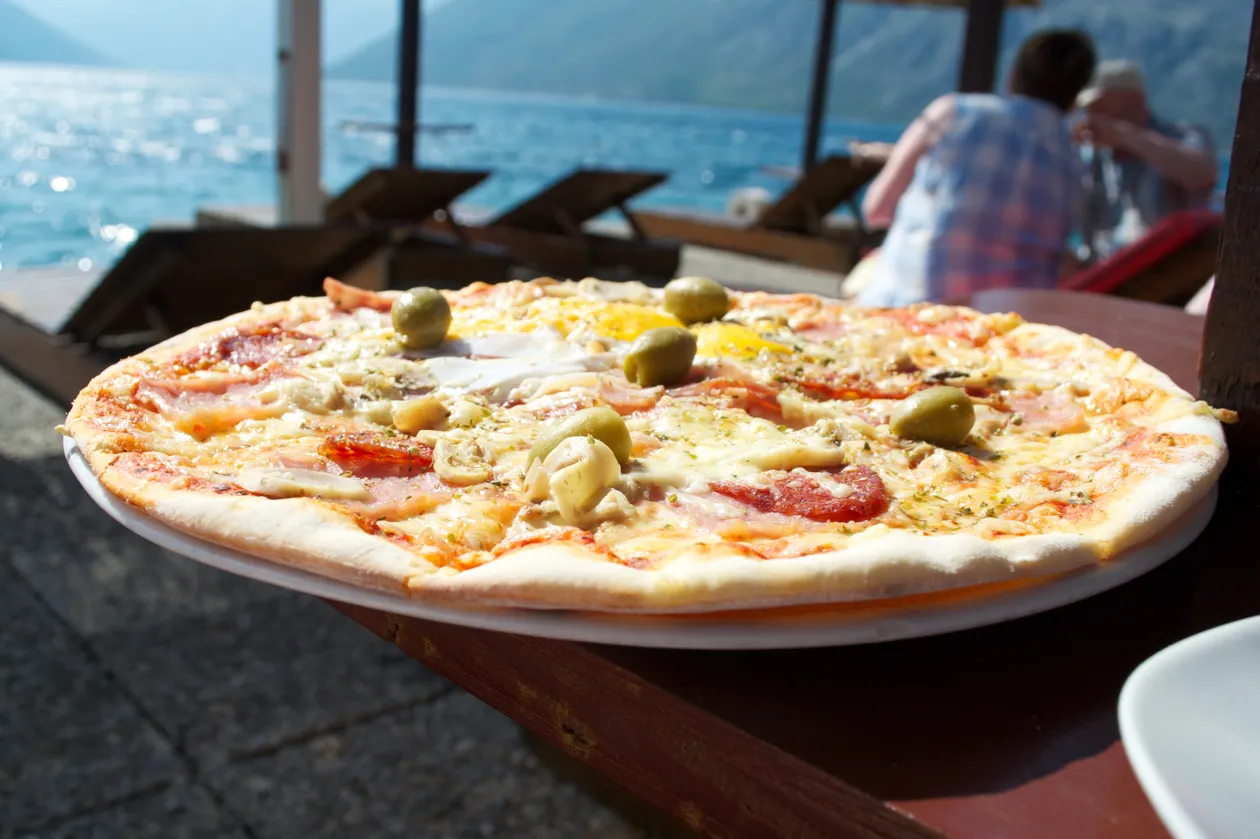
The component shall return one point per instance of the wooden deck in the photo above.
(44, 297)
(733, 269)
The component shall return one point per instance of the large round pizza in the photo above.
(613, 447)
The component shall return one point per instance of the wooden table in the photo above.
(1005, 731)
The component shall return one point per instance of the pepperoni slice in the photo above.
(805, 495)
(368, 455)
(851, 389)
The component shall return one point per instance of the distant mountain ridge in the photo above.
(230, 37)
(24, 37)
(757, 53)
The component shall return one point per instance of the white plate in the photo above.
(1190, 724)
(767, 630)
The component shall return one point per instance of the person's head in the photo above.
(1053, 66)
(1117, 91)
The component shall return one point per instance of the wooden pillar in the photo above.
(408, 83)
(818, 86)
(1229, 367)
(299, 137)
(981, 46)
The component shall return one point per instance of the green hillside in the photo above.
(889, 62)
(24, 37)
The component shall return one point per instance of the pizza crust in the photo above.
(306, 534)
(299, 532)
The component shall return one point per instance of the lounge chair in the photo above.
(401, 199)
(59, 328)
(548, 232)
(1175, 258)
(793, 229)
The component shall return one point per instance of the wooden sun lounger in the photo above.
(546, 232)
(401, 195)
(793, 229)
(1169, 264)
(402, 199)
(55, 334)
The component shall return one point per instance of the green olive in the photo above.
(660, 357)
(421, 317)
(942, 416)
(696, 299)
(604, 424)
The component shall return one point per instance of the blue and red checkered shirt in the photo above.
(991, 205)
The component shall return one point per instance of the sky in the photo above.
(207, 36)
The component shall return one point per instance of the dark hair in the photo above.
(1054, 66)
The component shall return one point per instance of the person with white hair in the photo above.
(1142, 166)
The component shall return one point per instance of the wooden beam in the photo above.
(1229, 367)
(818, 86)
(301, 199)
(981, 46)
(408, 83)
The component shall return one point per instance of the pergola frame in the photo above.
(298, 155)
(977, 72)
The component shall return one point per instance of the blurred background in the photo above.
(121, 114)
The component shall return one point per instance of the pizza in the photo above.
(613, 447)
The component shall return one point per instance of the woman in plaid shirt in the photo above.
(982, 191)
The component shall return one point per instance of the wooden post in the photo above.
(408, 83)
(818, 87)
(981, 46)
(1229, 367)
(300, 135)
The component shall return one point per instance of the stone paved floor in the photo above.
(143, 695)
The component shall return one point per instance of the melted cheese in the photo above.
(288, 483)
(527, 352)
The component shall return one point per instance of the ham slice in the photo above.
(1051, 412)
(729, 519)
(205, 405)
(626, 398)
(348, 297)
(757, 399)
(403, 497)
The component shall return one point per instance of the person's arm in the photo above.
(1187, 162)
(874, 153)
(880, 202)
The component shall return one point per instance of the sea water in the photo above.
(89, 158)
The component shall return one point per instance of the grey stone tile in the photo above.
(93, 571)
(179, 812)
(28, 421)
(453, 768)
(262, 674)
(29, 631)
(70, 740)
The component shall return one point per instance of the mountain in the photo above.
(889, 62)
(206, 36)
(24, 37)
